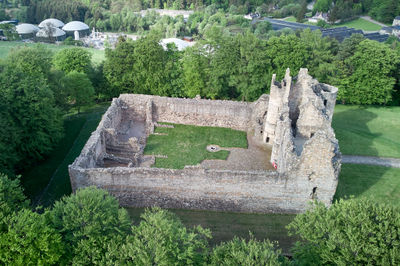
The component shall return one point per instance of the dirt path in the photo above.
(381, 161)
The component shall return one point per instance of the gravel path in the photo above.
(382, 161)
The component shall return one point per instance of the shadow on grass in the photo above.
(49, 180)
(355, 138)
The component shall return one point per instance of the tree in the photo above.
(285, 52)
(118, 69)
(73, 59)
(30, 240)
(29, 110)
(87, 220)
(195, 66)
(78, 88)
(356, 83)
(242, 252)
(9, 31)
(12, 199)
(350, 232)
(161, 239)
(302, 11)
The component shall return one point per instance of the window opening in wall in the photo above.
(267, 140)
(325, 102)
(312, 135)
(314, 193)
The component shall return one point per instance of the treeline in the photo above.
(225, 66)
(89, 228)
(36, 88)
(344, 10)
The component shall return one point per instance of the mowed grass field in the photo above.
(186, 145)
(370, 131)
(360, 24)
(5, 47)
(381, 184)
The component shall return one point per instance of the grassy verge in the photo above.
(5, 47)
(49, 180)
(186, 145)
(372, 131)
(375, 182)
(360, 24)
(225, 225)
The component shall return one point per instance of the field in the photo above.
(372, 131)
(186, 145)
(360, 24)
(5, 47)
(381, 184)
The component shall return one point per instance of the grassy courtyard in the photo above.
(186, 145)
(370, 131)
(5, 47)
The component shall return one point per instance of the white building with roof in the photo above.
(77, 29)
(50, 34)
(53, 22)
(26, 31)
(180, 44)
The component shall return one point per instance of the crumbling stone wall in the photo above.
(295, 118)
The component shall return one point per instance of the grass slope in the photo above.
(375, 182)
(372, 131)
(5, 47)
(49, 180)
(225, 225)
(186, 145)
(359, 23)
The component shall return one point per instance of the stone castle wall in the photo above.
(306, 154)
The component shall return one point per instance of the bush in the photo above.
(242, 252)
(161, 239)
(349, 232)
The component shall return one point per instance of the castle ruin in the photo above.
(294, 154)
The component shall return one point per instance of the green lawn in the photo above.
(361, 24)
(186, 145)
(290, 19)
(225, 225)
(378, 183)
(372, 131)
(49, 180)
(97, 55)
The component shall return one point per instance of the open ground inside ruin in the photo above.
(292, 155)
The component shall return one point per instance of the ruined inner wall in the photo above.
(305, 151)
(200, 112)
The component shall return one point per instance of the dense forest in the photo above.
(101, 14)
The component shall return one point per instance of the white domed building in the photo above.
(51, 22)
(50, 34)
(76, 29)
(26, 31)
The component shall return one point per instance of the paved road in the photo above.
(373, 21)
(382, 161)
